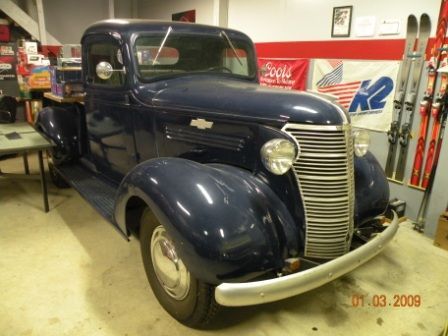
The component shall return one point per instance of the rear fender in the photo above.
(227, 225)
(61, 125)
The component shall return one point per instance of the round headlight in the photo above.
(361, 141)
(278, 155)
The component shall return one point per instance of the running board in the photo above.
(98, 192)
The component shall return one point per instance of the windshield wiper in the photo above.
(168, 32)
(223, 33)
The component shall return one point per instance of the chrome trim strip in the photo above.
(257, 292)
(301, 127)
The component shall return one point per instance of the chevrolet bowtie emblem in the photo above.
(201, 123)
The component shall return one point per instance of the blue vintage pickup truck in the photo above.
(239, 194)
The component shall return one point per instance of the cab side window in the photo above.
(105, 52)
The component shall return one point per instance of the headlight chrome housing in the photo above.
(361, 142)
(278, 155)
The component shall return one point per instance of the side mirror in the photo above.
(104, 70)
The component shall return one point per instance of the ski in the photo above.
(419, 225)
(392, 134)
(426, 103)
(419, 61)
(436, 123)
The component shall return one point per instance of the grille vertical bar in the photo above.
(325, 177)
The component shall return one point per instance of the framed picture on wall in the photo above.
(342, 19)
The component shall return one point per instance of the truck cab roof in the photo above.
(129, 26)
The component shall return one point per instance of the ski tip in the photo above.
(443, 69)
(425, 17)
(412, 22)
(425, 22)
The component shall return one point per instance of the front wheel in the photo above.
(187, 299)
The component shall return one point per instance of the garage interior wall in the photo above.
(271, 21)
(310, 20)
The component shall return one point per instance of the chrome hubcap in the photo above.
(169, 268)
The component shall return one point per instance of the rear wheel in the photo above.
(187, 299)
(55, 177)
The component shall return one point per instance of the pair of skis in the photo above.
(437, 63)
(421, 216)
(404, 101)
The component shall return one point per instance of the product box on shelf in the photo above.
(37, 59)
(30, 47)
(4, 30)
(66, 81)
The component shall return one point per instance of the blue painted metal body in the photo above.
(228, 223)
(61, 125)
(230, 218)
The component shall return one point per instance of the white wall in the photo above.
(67, 20)
(262, 20)
(307, 20)
(162, 9)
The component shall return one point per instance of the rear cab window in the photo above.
(174, 53)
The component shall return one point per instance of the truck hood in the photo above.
(240, 99)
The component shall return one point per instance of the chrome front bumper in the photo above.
(251, 293)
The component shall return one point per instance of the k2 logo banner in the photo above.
(364, 88)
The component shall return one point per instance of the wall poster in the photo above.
(364, 88)
(288, 74)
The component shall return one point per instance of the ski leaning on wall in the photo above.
(419, 61)
(393, 133)
(421, 216)
(426, 104)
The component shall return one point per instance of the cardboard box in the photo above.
(4, 33)
(37, 59)
(69, 89)
(441, 238)
(65, 74)
(66, 81)
(30, 47)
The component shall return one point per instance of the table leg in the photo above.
(25, 163)
(43, 181)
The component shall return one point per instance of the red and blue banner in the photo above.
(288, 74)
(364, 88)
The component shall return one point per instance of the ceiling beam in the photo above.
(41, 22)
(27, 22)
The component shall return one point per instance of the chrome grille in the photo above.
(325, 177)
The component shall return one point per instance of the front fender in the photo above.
(226, 224)
(372, 188)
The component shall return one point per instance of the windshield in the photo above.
(175, 53)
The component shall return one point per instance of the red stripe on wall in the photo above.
(390, 49)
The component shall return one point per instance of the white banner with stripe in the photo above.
(365, 88)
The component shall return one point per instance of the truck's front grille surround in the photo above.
(325, 178)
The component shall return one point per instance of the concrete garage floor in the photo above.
(68, 272)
